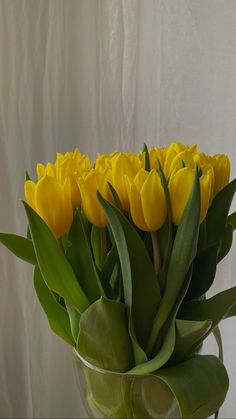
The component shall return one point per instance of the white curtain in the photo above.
(100, 75)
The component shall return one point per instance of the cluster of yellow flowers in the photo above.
(72, 181)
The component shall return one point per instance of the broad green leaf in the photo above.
(55, 269)
(80, 257)
(226, 242)
(199, 384)
(20, 246)
(182, 255)
(103, 338)
(142, 301)
(74, 317)
(217, 308)
(168, 337)
(165, 234)
(216, 219)
(204, 270)
(232, 220)
(188, 333)
(161, 357)
(56, 314)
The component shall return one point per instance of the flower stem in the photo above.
(156, 252)
(103, 248)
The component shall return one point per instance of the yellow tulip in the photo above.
(72, 168)
(221, 166)
(52, 201)
(156, 154)
(89, 185)
(71, 165)
(221, 172)
(124, 165)
(180, 186)
(147, 200)
(175, 153)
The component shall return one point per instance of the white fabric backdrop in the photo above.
(100, 75)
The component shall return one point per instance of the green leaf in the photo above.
(104, 339)
(56, 270)
(74, 317)
(204, 270)
(226, 242)
(217, 335)
(116, 197)
(232, 220)
(27, 176)
(188, 333)
(20, 246)
(165, 234)
(199, 384)
(80, 257)
(136, 266)
(96, 245)
(168, 340)
(56, 314)
(116, 283)
(147, 158)
(109, 264)
(216, 219)
(217, 308)
(182, 255)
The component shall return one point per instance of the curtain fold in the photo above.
(100, 75)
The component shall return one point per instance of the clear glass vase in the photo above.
(108, 394)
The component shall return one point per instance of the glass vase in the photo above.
(108, 394)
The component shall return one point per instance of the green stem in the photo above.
(103, 248)
(156, 252)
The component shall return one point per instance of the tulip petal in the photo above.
(180, 186)
(153, 202)
(30, 188)
(135, 205)
(52, 206)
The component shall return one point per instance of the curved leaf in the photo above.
(142, 301)
(199, 384)
(216, 219)
(226, 242)
(21, 247)
(55, 269)
(56, 314)
(80, 257)
(217, 308)
(182, 255)
(204, 270)
(232, 220)
(188, 333)
(103, 338)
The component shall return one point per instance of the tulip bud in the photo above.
(221, 172)
(176, 153)
(180, 186)
(124, 165)
(52, 201)
(89, 185)
(147, 200)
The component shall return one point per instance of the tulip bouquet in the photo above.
(125, 249)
